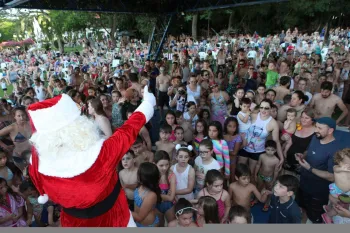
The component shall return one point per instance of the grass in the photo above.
(73, 49)
(9, 91)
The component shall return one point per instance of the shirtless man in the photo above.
(135, 82)
(119, 86)
(324, 103)
(128, 177)
(141, 152)
(162, 86)
(241, 190)
(282, 90)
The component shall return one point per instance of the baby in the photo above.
(289, 125)
(339, 191)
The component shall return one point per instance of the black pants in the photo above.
(312, 205)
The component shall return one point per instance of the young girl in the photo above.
(236, 101)
(204, 162)
(200, 132)
(239, 215)
(179, 135)
(147, 195)
(214, 188)
(11, 207)
(188, 133)
(5, 172)
(185, 175)
(204, 114)
(184, 214)
(220, 147)
(191, 114)
(207, 211)
(167, 185)
(170, 119)
(128, 177)
(234, 142)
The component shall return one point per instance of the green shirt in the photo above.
(271, 78)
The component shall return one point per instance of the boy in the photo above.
(241, 190)
(271, 75)
(164, 143)
(128, 177)
(141, 153)
(266, 170)
(282, 90)
(188, 133)
(243, 116)
(283, 207)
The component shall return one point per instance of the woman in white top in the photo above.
(96, 111)
(194, 89)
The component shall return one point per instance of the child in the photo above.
(271, 76)
(11, 207)
(34, 209)
(179, 135)
(188, 134)
(284, 209)
(170, 119)
(339, 191)
(167, 185)
(191, 114)
(204, 162)
(50, 215)
(214, 187)
(4, 87)
(236, 101)
(164, 143)
(289, 125)
(234, 142)
(200, 132)
(220, 147)
(144, 133)
(266, 170)
(185, 175)
(146, 196)
(204, 114)
(5, 172)
(141, 153)
(241, 190)
(239, 215)
(207, 211)
(128, 177)
(243, 117)
(184, 214)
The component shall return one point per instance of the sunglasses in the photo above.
(265, 108)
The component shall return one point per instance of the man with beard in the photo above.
(316, 172)
(324, 103)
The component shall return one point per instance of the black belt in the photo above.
(99, 208)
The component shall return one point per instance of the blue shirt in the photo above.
(288, 212)
(319, 156)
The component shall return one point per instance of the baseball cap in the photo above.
(327, 121)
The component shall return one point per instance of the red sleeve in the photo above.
(119, 143)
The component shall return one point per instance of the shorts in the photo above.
(312, 205)
(253, 156)
(265, 178)
(285, 132)
(334, 190)
(163, 99)
(164, 206)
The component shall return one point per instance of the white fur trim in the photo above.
(67, 164)
(131, 222)
(146, 109)
(30, 160)
(43, 199)
(55, 117)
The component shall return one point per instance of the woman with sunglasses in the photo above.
(262, 126)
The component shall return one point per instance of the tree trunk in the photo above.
(230, 21)
(194, 25)
(60, 44)
(113, 24)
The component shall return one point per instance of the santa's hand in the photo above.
(149, 97)
(147, 106)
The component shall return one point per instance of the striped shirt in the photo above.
(222, 154)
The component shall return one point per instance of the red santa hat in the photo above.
(49, 115)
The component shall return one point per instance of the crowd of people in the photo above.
(257, 122)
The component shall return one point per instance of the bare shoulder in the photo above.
(172, 223)
(158, 143)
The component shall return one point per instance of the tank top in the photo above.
(221, 205)
(196, 94)
(256, 135)
(243, 127)
(182, 182)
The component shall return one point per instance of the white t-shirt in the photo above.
(204, 168)
(243, 127)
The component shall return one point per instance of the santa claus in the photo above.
(75, 167)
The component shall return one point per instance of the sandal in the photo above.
(326, 219)
(265, 208)
(253, 203)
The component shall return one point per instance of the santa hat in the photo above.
(46, 116)
(53, 114)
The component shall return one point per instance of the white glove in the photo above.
(149, 97)
(147, 106)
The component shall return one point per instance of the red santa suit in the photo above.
(85, 183)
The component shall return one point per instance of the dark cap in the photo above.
(327, 121)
